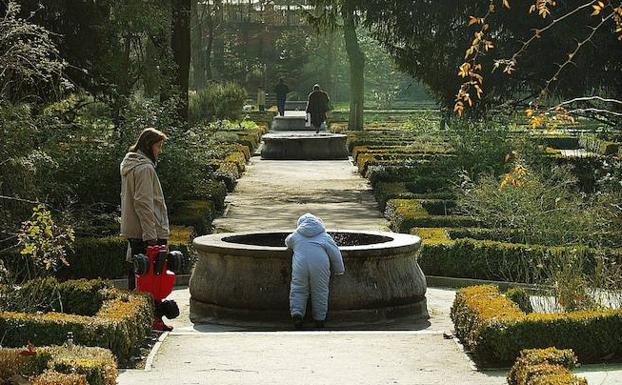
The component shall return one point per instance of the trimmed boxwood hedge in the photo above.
(121, 324)
(408, 172)
(60, 365)
(548, 366)
(105, 257)
(417, 189)
(600, 146)
(495, 330)
(561, 142)
(608, 239)
(198, 213)
(366, 160)
(418, 148)
(404, 214)
(469, 258)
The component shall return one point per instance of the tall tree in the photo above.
(206, 21)
(356, 57)
(333, 14)
(428, 40)
(181, 47)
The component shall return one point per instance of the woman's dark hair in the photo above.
(146, 140)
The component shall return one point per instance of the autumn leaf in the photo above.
(474, 20)
(464, 70)
(598, 7)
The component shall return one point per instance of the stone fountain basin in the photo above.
(304, 146)
(246, 277)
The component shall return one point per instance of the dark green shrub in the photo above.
(217, 101)
(385, 191)
(606, 239)
(214, 191)
(411, 171)
(120, 325)
(198, 214)
(96, 258)
(404, 214)
(82, 297)
(469, 258)
(104, 257)
(520, 297)
(560, 142)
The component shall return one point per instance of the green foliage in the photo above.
(404, 214)
(481, 149)
(421, 188)
(29, 57)
(545, 366)
(539, 207)
(198, 214)
(426, 42)
(508, 261)
(609, 239)
(520, 297)
(104, 257)
(82, 297)
(217, 101)
(120, 325)
(495, 330)
(121, 45)
(44, 242)
(60, 365)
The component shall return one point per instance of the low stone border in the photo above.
(457, 283)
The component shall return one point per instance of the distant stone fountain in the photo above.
(245, 277)
(304, 146)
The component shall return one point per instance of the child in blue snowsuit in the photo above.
(316, 255)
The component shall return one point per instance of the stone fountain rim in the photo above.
(400, 243)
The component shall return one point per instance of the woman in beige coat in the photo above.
(144, 219)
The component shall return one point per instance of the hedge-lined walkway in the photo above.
(271, 195)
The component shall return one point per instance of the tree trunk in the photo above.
(180, 45)
(208, 55)
(356, 57)
(198, 43)
(329, 71)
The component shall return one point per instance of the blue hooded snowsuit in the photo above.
(315, 255)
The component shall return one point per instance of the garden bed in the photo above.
(58, 365)
(495, 330)
(95, 313)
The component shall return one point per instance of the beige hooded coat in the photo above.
(143, 209)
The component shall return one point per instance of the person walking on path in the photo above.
(316, 255)
(281, 90)
(144, 217)
(318, 105)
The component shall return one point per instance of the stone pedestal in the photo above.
(292, 121)
(304, 146)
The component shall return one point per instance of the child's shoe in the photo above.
(297, 318)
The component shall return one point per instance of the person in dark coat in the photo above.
(281, 90)
(318, 105)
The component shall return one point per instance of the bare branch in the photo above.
(589, 99)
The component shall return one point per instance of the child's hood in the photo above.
(309, 225)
